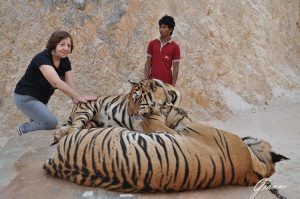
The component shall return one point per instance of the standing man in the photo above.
(163, 53)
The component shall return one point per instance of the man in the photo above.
(163, 54)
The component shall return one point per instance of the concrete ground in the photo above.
(22, 157)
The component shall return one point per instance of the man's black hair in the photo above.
(168, 21)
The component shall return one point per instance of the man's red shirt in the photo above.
(163, 55)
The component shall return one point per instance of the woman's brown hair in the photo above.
(56, 37)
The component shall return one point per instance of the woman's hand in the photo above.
(83, 99)
(90, 97)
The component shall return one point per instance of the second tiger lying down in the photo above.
(200, 157)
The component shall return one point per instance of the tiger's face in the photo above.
(163, 93)
(147, 97)
(263, 151)
(140, 100)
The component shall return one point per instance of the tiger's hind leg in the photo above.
(81, 117)
(60, 133)
(91, 124)
(67, 129)
(79, 124)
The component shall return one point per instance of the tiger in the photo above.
(199, 157)
(127, 110)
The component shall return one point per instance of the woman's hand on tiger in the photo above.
(83, 99)
(90, 97)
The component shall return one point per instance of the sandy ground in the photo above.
(22, 157)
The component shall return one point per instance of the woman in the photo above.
(48, 70)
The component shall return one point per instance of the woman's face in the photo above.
(63, 48)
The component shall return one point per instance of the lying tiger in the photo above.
(199, 157)
(129, 110)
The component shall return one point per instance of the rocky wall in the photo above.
(235, 54)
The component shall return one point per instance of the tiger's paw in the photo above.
(58, 135)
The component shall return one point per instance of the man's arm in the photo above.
(175, 72)
(147, 67)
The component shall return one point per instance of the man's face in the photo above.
(164, 30)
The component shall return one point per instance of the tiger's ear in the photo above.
(150, 85)
(132, 105)
(132, 83)
(277, 157)
(136, 96)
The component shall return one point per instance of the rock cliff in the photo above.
(236, 55)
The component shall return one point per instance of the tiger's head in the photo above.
(147, 97)
(166, 93)
(141, 99)
(267, 158)
(162, 92)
